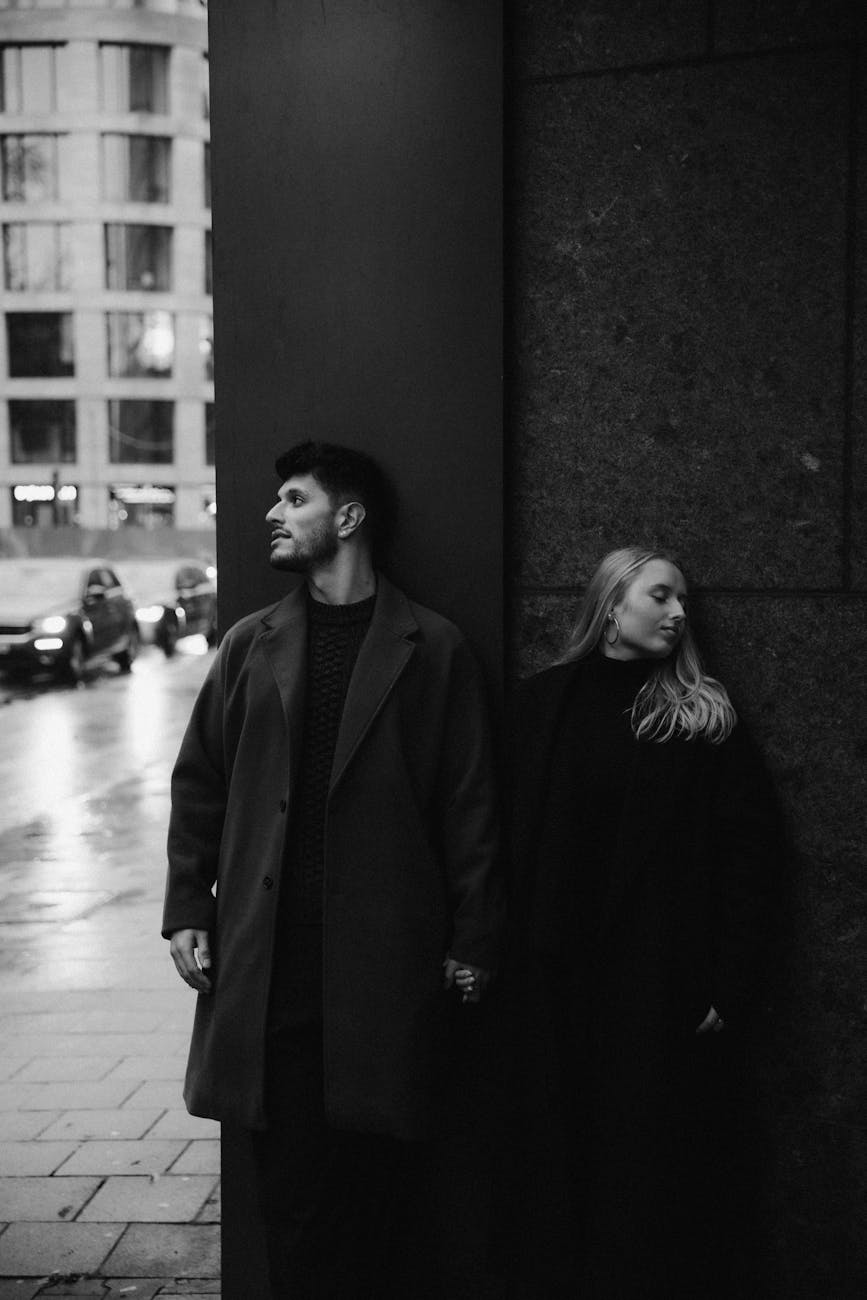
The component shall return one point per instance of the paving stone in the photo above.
(169, 1199)
(178, 1249)
(43, 1199)
(179, 1124)
(66, 1069)
(212, 1210)
(166, 1093)
(37, 1249)
(132, 1289)
(200, 1157)
(150, 1067)
(11, 1063)
(25, 1159)
(149, 1156)
(114, 1045)
(106, 1124)
(22, 1125)
(96, 1021)
(87, 1095)
(17, 1288)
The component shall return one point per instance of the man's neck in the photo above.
(343, 581)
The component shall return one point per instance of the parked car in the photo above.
(173, 598)
(61, 614)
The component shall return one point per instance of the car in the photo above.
(60, 614)
(173, 598)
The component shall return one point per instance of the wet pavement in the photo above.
(107, 1186)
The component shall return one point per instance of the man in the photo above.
(335, 784)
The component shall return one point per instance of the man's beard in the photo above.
(318, 548)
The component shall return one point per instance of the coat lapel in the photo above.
(382, 658)
(284, 644)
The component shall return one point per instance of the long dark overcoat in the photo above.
(410, 852)
(617, 1104)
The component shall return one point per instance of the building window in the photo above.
(138, 257)
(136, 168)
(40, 343)
(209, 262)
(206, 88)
(141, 505)
(36, 255)
(28, 79)
(141, 432)
(206, 346)
(29, 168)
(210, 434)
(141, 343)
(135, 78)
(207, 195)
(44, 505)
(42, 431)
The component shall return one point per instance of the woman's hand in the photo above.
(712, 1024)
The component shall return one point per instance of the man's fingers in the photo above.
(183, 947)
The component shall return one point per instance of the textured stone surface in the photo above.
(679, 320)
(759, 24)
(553, 37)
(171, 1249)
(37, 1249)
(859, 396)
(794, 666)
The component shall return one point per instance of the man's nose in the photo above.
(273, 515)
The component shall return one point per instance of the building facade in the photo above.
(106, 339)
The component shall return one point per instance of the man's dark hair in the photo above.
(346, 475)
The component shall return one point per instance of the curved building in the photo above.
(106, 341)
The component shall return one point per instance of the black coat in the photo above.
(615, 1100)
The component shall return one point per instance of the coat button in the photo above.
(268, 883)
(282, 805)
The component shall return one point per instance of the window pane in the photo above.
(209, 262)
(42, 431)
(136, 168)
(29, 168)
(114, 72)
(141, 343)
(36, 255)
(11, 100)
(206, 345)
(207, 175)
(40, 343)
(141, 432)
(37, 78)
(134, 78)
(210, 435)
(142, 505)
(138, 257)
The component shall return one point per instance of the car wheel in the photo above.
(124, 660)
(168, 636)
(72, 669)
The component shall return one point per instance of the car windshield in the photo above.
(39, 578)
(149, 577)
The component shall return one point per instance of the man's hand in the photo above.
(470, 980)
(712, 1023)
(184, 947)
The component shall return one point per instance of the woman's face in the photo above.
(651, 613)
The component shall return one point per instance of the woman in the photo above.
(644, 838)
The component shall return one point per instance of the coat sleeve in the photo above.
(199, 788)
(468, 819)
(748, 853)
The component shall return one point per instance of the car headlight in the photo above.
(56, 623)
(150, 613)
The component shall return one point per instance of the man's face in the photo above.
(303, 526)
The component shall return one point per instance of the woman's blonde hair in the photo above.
(678, 697)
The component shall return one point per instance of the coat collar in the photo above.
(384, 654)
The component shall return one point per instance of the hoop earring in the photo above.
(612, 618)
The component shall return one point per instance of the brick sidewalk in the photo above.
(108, 1186)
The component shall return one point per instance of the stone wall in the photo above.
(688, 368)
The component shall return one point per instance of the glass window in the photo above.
(36, 255)
(209, 263)
(40, 343)
(28, 79)
(141, 505)
(29, 168)
(42, 431)
(44, 505)
(141, 343)
(206, 345)
(136, 168)
(138, 257)
(134, 78)
(141, 432)
(210, 434)
(206, 88)
(207, 175)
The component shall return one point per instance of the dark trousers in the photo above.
(329, 1199)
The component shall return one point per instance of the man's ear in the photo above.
(350, 517)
